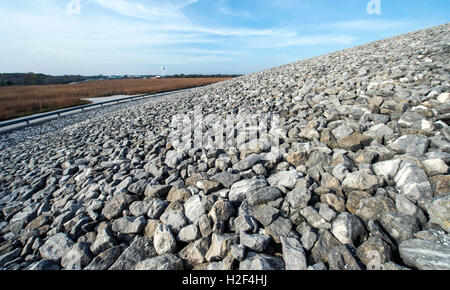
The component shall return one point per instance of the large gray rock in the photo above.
(263, 195)
(175, 219)
(361, 180)
(425, 255)
(104, 260)
(299, 197)
(55, 247)
(77, 257)
(173, 158)
(257, 243)
(412, 182)
(168, 262)
(348, 229)
(314, 218)
(140, 249)
(129, 225)
(194, 208)
(412, 144)
(240, 189)
(164, 241)
(284, 178)
(103, 241)
(114, 207)
(439, 211)
(293, 254)
(259, 262)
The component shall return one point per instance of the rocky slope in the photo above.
(361, 179)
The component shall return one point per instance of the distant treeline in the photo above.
(27, 79)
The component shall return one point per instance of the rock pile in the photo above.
(361, 179)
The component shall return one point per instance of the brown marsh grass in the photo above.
(18, 101)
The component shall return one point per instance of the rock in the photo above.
(425, 255)
(138, 187)
(354, 142)
(343, 258)
(293, 254)
(435, 167)
(240, 189)
(265, 214)
(374, 252)
(400, 226)
(114, 207)
(168, 262)
(104, 260)
(194, 253)
(361, 180)
(164, 241)
(77, 257)
(444, 98)
(314, 218)
(342, 131)
(175, 220)
(387, 169)
(334, 201)
(173, 158)
(129, 225)
(287, 179)
(103, 241)
(308, 240)
(8, 257)
(156, 208)
(263, 195)
(238, 252)
(208, 186)
(281, 227)
(226, 179)
(194, 208)
(44, 265)
(391, 266)
(412, 182)
(158, 191)
(405, 206)
(140, 249)
(189, 234)
(257, 243)
(248, 162)
(221, 211)
(353, 199)
(261, 262)
(220, 246)
(325, 243)
(299, 197)
(440, 184)
(348, 229)
(415, 145)
(439, 211)
(327, 213)
(381, 133)
(55, 247)
(245, 223)
(374, 208)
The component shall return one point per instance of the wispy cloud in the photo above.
(225, 9)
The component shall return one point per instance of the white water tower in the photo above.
(163, 71)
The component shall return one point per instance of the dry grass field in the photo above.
(18, 101)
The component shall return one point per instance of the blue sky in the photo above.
(194, 36)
